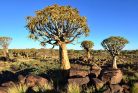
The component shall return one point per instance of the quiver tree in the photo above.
(114, 45)
(4, 43)
(57, 25)
(87, 45)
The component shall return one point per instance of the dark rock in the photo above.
(113, 76)
(107, 91)
(95, 67)
(3, 90)
(106, 77)
(7, 76)
(126, 89)
(97, 83)
(94, 71)
(21, 79)
(80, 81)
(32, 80)
(114, 89)
(78, 73)
(3, 58)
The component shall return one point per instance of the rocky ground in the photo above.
(102, 80)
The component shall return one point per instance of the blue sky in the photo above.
(105, 18)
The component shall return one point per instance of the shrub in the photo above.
(134, 88)
(125, 79)
(73, 88)
(43, 89)
(20, 88)
(136, 75)
(90, 89)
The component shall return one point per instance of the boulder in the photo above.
(107, 91)
(80, 81)
(95, 67)
(21, 79)
(78, 73)
(114, 89)
(3, 59)
(113, 77)
(126, 89)
(117, 77)
(106, 77)
(94, 71)
(32, 80)
(97, 83)
(3, 90)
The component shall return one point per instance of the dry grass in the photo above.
(134, 88)
(20, 88)
(73, 88)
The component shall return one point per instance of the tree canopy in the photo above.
(57, 24)
(5, 41)
(114, 44)
(87, 45)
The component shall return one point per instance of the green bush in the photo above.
(134, 88)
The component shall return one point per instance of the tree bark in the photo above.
(5, 52)
(60, 55)
(114, 62)
(63, 54)
(88, 55)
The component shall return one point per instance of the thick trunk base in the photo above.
(5, 53)
(114, 62)
(88, 55)
(64, 60)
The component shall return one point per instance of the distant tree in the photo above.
(57, 25)
(87, 45)
(114, 45)
(4, 43)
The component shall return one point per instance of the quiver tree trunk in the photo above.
(5, 52)
(63, 54)
(60, 55)
(114, 62)
(88, 55)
